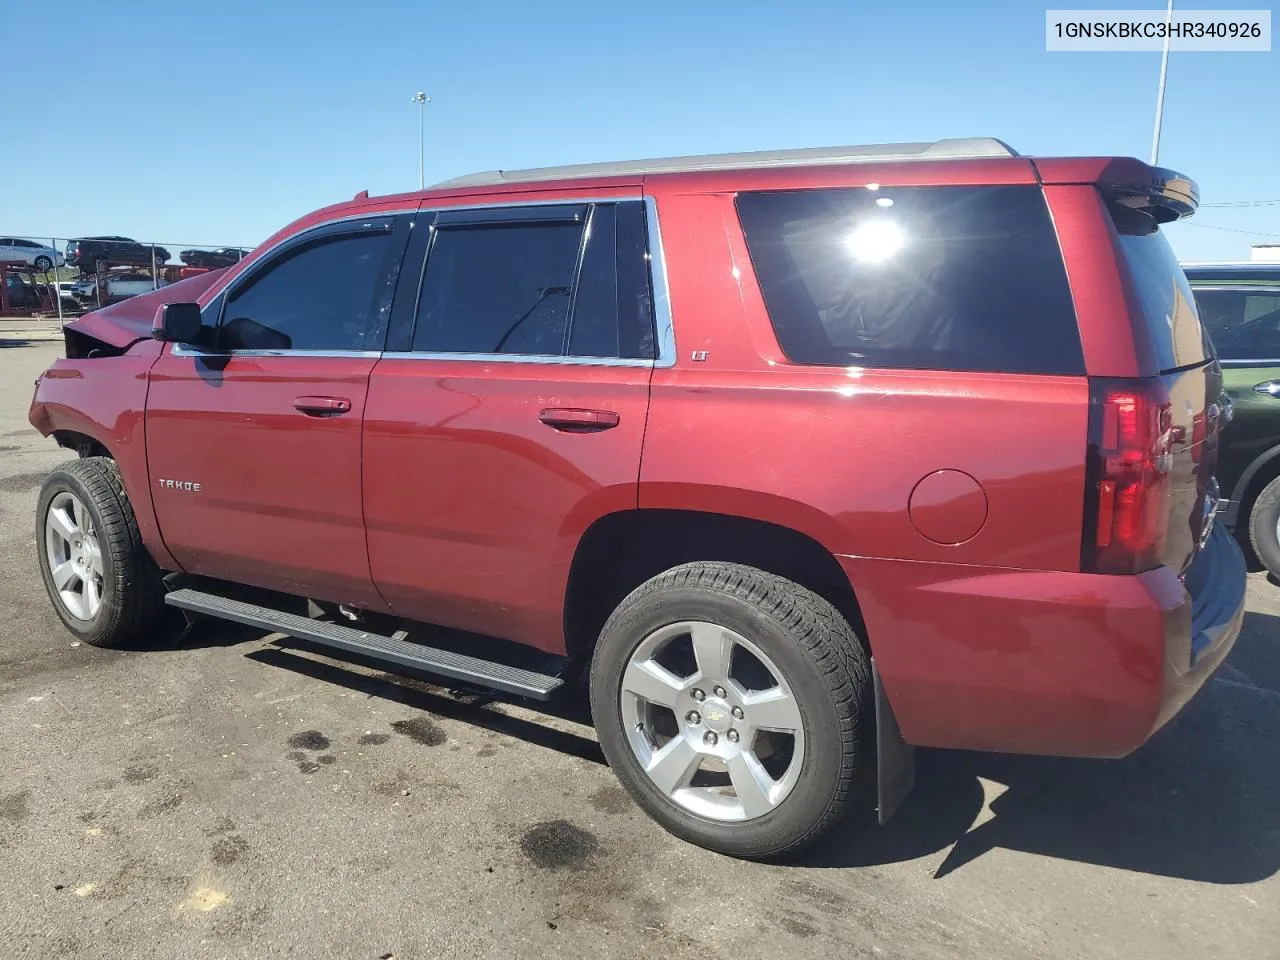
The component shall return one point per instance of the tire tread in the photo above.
(137, 588)
(821, 631)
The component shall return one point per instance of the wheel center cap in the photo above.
(716, 714)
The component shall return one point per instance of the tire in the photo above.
(43, 264)
(817, 660)
(130, 595)
(1262, 527)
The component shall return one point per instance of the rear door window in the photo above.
(506, 282)
(1243, 325)
(947, 278)
(498, 288)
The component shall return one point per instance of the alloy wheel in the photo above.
(74, 556)
(712, 721)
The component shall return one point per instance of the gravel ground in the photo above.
(225, 795)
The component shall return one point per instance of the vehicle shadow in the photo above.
(1197, 802)
(466, 705)
(14, 342)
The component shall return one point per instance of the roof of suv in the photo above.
(955, 149)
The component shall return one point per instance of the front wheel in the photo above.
(43, 264)
(103, 584)
(733, 705)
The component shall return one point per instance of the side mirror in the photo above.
(177, 323)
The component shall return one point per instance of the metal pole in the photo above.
(1164, 71)
(57, 291)
(421, 99)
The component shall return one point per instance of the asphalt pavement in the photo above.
(230, 795)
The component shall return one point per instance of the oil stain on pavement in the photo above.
(558, 845)
(421, 730)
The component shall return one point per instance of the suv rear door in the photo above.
(253, 444)
(509, 410)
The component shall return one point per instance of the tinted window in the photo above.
(956, 278)
(612, 309)
(315, 296)
(1168, 308)
(1242, 326)
(498, 288)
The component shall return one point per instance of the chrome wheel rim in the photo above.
(712, 721)
(73, 556)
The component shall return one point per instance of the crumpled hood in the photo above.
(129, 321)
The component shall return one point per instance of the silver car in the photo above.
(15, 249)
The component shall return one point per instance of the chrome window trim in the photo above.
(664, 326)
(542, 358)
(1220, 286)
(181, 351)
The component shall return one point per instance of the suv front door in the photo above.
(253, 444)
(508, 412)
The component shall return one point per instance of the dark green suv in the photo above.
(1240, 308)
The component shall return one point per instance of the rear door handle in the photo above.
(322, 406)
(577, 420)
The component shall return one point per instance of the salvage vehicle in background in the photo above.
(16, 249)
(1239, 305)
(222, 257)
(95, 291)
(86, 252)
(801, 457)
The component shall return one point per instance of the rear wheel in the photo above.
(732, 704)
(1264, 527)
(103, 583)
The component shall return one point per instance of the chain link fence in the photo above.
(66, 276)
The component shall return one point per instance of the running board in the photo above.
(389, 650)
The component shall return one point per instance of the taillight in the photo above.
(1127, 476)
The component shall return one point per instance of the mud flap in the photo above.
(895, 759)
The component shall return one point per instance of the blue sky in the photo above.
(221, 122)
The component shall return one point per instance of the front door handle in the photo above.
(322, 406)
(575, 420)
(1268, 388)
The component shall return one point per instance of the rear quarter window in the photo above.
(940, 278)
(1167, 306)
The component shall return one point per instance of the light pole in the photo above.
(421, 99)
(1164, 70)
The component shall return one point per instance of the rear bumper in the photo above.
(1046, 662)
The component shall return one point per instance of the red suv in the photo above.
(805, 456)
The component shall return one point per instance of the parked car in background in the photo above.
(87, 251)
(28, 251)
(222, 257)
(1239, 306)
(799, 457)
(91, 292)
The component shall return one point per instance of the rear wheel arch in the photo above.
(622, 550)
